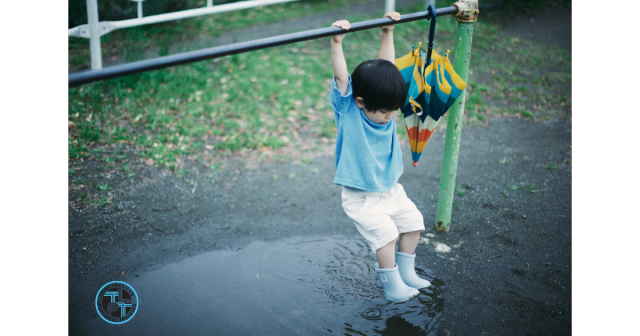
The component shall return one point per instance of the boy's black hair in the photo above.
(380, 84)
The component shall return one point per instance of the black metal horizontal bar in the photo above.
(237, 48)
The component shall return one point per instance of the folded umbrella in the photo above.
(432, 88)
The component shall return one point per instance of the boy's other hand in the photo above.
(395, 16)
(344, 24)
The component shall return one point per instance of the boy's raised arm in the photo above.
(387, 51)
(337, 57)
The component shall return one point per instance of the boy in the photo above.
(369, 163)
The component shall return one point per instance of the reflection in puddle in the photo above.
(277, 288)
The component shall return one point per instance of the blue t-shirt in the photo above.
(368, 155)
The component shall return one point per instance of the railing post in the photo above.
(209, 3)
(139, 8)
(94, 35)
(467, 15)
(389, 6)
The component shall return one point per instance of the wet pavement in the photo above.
(233, 255)
(304, 285)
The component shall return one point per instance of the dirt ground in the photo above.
(505, 264)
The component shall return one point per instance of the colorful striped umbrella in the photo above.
(430, 93)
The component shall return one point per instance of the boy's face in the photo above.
(378, 117)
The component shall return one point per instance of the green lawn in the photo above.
(192, 116)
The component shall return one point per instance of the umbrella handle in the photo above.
(432, 28)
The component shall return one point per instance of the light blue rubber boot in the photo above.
(406, 267)
(394, 288)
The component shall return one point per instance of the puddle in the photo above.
(301, 286)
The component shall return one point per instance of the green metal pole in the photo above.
(467, 13)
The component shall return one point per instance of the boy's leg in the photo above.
(408, 219)
(405, 259)
(410, 223)
(386, 255)
(369, 214)
(395, 289)
(408, 242)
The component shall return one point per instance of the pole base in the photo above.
(442, 227)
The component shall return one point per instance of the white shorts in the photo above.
(381, 217)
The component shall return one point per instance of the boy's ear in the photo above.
(360, 102)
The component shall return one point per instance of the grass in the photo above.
(515, 77)
(533, 188)
(507, 160)
(215, 169)
(192, 117)
(212, 109)
(96, 201)
(512, 187)
(103, 186)
(461, 191)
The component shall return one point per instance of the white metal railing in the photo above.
(94, 29)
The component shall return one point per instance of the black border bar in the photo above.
(237, 48)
